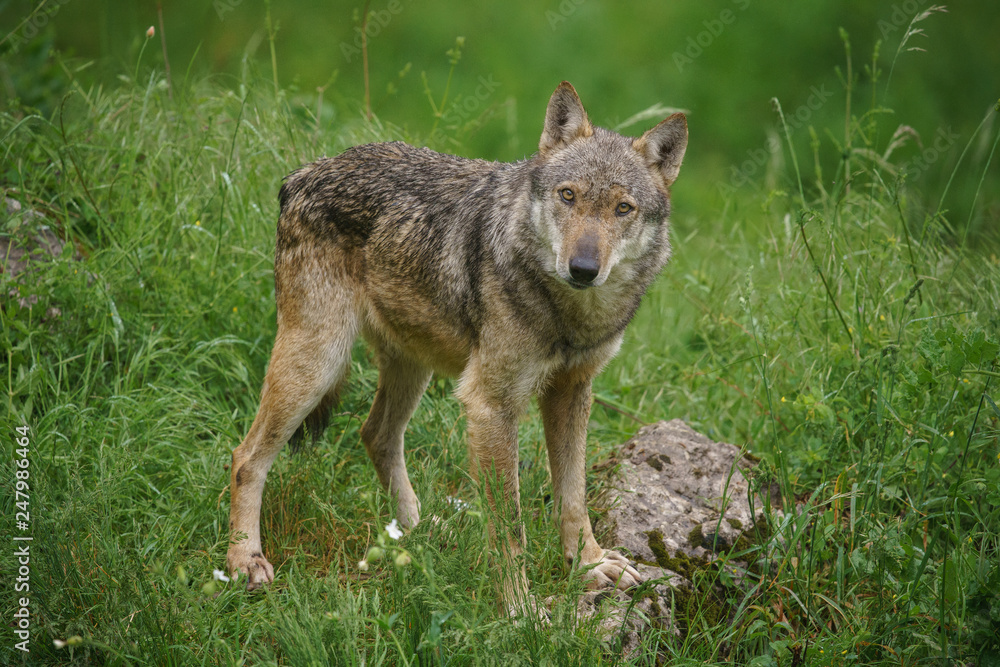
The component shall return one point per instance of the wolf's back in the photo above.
(372, 189)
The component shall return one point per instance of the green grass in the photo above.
(847, 338)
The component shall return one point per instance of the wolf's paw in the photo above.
(251, 563)
(610, 571)
(408, 511)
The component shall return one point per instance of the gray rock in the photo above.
(680, 493)
(38, 240)
(621, 617)
(31, 243)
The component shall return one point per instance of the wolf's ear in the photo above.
(565, 119)
(664, 146)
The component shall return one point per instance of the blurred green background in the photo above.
(722, 60)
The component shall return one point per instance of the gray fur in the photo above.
(519, 278)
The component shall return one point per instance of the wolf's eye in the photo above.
(566, 194)
(623, 208)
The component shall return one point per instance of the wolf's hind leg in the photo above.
(307, 363)
(401, 383)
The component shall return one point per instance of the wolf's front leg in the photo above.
(565, 407)
(491, 414)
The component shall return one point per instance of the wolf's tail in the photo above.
(314, 424)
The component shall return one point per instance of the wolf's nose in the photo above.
(584, 269)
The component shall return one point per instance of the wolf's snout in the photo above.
(585, 265)
(584, 269)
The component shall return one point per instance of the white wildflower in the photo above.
(75, 640)
(459, 504)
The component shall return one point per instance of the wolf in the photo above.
(517, 278)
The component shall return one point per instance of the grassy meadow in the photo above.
(823, 310)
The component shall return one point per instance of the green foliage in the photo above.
(845, 334)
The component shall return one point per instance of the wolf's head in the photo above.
(600, 201)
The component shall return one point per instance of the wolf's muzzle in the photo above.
(585, 264)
